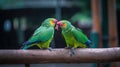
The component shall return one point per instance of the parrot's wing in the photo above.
(41, 35)
(79, 35)
(38, 30)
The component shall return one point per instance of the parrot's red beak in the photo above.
(58, 25)
(55, 20)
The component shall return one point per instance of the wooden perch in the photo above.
(82, 55)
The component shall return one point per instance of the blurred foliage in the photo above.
(84, 15)
(83, 4)
(81, 16)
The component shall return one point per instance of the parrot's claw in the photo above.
(72, 51)
(50, 49)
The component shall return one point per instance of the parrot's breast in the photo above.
(45, 44)
(71, 40)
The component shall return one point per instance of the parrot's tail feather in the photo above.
(25, 47)
(88, 43)
(28, 43)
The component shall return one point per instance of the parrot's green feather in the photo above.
(42, 36)
(79, 36)
(74, 37)
(71, 40)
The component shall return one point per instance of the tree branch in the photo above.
(82, 55)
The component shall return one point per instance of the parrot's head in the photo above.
(50, 22)
(64, 24)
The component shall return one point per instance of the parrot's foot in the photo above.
(72, 51)
(50, 49)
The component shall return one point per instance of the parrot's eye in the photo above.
(52, 22)
(64, 24)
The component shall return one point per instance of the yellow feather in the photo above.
(52, 23)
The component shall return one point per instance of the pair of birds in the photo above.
(43, 35)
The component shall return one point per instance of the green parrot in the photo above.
(43, 35)
(74, 37)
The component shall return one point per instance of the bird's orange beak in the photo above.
(58, 25)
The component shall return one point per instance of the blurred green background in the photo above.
(19, 19)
